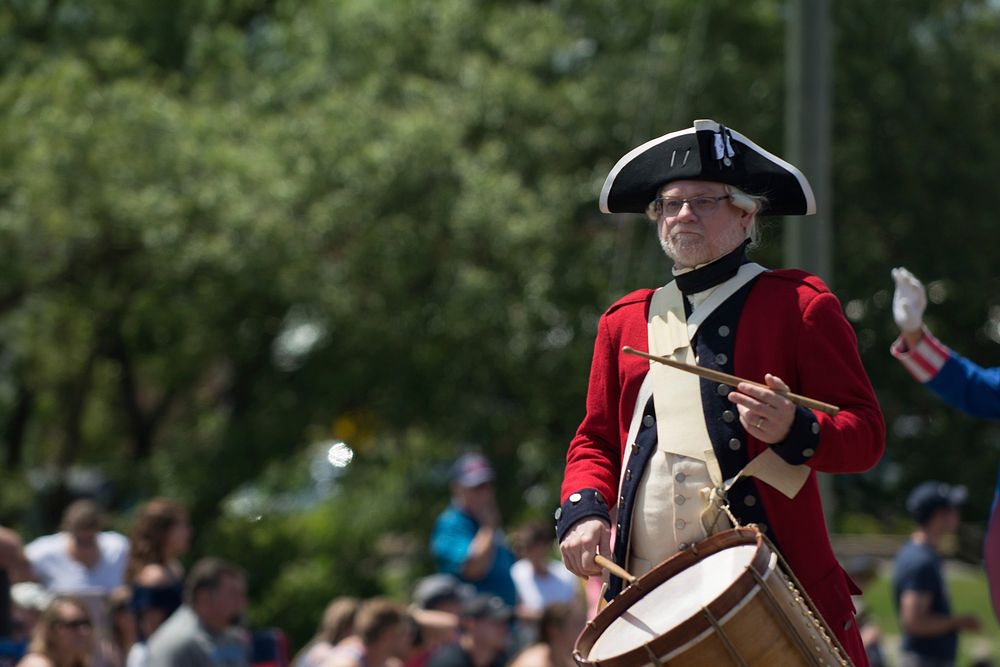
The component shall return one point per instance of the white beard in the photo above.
(690, 250)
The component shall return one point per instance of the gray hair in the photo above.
(752, 204)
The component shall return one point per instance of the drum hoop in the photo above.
(691, 628)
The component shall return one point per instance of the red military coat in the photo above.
(792, 326)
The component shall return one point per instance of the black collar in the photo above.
(712, 274)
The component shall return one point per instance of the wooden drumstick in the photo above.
(614, 568)
(732, 380)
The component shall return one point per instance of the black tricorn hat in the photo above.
(709, 151)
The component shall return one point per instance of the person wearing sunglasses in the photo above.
(63, 637)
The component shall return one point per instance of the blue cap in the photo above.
(471, 470)
(931, 496)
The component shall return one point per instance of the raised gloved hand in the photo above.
(909, 301)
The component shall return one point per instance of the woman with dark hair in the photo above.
(160, 536)
(64, 636)
(122, 628)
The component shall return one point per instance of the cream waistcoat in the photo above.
(670, 502)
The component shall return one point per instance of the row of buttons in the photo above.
(647, 421)
(748, 500)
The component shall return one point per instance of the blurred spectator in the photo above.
(29, 601)
(123, 630)
(437, 605)
(930, 631)
(337, 624)
(558, 628)
(160, 536)
(432, 629)
(85, 561)
(483, 633)
(467, 540)
(269, 648)
(63, 636)
(13, 568)
(202, 632)
(540, 579)
(82, 557)
(385, 633)
(441, 592)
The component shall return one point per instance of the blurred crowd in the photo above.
(86, 596)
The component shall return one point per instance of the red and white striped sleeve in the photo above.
(925, 359)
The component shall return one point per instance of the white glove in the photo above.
(909, 301)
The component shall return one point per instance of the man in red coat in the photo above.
(660, 444)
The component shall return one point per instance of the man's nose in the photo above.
(686, 212)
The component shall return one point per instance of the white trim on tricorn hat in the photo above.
(709, 151)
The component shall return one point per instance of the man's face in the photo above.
(490, 633)
(399, 640)
(85, 538)
(221, 607)
(475, 497)
(691, 238)
(951, 519)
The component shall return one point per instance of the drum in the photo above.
(725, 601)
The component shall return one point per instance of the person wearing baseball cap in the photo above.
(441, 592)
(929, 629)
(467, 540)
(659, 443)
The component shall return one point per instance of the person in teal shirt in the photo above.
(467, 540)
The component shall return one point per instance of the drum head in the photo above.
(673, 602)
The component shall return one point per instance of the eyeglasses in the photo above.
(75, 624)
(671, 206)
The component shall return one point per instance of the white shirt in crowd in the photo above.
(536, 591)
(58, 572)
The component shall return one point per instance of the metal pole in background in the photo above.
(808, 241)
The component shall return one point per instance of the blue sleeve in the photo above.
(968, 387)
(802, 440)
(450, 541)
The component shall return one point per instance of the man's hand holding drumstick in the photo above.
(764, 413)
(586, 539)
